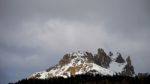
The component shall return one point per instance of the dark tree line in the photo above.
(89, 79)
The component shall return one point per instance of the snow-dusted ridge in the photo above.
(81, 63)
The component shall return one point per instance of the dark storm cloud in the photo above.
(34, 34)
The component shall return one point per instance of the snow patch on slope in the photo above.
(114, 66)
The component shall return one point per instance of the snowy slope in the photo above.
(116, 67)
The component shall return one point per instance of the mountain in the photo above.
(85, 62)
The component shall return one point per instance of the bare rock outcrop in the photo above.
(119, 59)
(128, 69)
(102, 59)
(65, 60)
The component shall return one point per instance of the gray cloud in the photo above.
(35, 34)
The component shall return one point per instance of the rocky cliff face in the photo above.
(85, 62)
(65, 60)
(119, 59)
(128, 69)
(102, 59)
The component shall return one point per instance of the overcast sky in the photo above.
(35, 34)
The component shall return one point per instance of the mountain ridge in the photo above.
(85, 62)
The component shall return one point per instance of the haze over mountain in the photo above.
(34, 34)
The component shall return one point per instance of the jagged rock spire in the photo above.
(65, 60)
(119, 59)
(128, 69)
(128, 60)
(102, 59)
(101, 52)
(89, 56)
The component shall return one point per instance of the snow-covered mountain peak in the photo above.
(84, 62)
